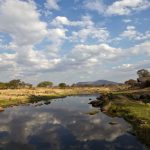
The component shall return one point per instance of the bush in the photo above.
(45, 84)
(62, 85)
(131, 82)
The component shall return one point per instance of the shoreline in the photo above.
(136, 112)
(22, 96)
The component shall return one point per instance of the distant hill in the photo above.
(96, 83)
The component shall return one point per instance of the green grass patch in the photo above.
(138, 114)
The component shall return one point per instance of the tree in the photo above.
(131, 82)
(62, 85)
(45, 84)
(144, 78)
(143, 73)
(14, 84)
(17, 83)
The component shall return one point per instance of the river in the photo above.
(64, 124)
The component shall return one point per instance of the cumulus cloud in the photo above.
(22, 23)
(134, 67)
(32, 47)
(87, 56)
(141, 49)
(96, 5)
(61, 21)
(121, 7)
(125, 7)
(101, 34)
(87, 29)
(25, 30)
(132, 34)
(52, 4)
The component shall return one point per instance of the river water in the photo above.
(64, 124)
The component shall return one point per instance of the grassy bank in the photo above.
(135, 112)
(21, 96)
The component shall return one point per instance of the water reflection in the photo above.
(63, 125)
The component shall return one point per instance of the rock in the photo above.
(92, 112)
(98, 98)
(136, 96)
(102, 97)
(90, 99)
(113, 123)
(96, 103)
(47, 103)
(140, 97)
(1, 109)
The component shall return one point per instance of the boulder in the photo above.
(96, 103)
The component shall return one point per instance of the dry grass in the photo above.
(18, 96)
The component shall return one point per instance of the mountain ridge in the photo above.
(96, 83)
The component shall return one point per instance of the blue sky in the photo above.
(73, 40)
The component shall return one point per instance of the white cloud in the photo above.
(125, 7)
(86, 30)
(132, 34)
(6, 61)
(52, 5)
(57, 37)
(24, 30)
(61, 21)
(120, 7)
(127, 20)
(21, 23)
(90, 56)
(101, 34)
(96, 5)
(24, 26)
(134, 67)
(85, 56)
(141, 49)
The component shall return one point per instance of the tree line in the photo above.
(18, 84)
(142, 81)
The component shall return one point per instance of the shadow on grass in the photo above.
(37, 98)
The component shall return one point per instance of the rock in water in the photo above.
(96, 103)
(113, 123)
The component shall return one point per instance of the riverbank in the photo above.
(135, 111)
(10, 97)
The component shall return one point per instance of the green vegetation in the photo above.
(3, 85)
(62, 85)
(15, 84)
(137, 113)
(45, 84)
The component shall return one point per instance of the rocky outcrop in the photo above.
(103, 101)
(145, 97)
(96, 103)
